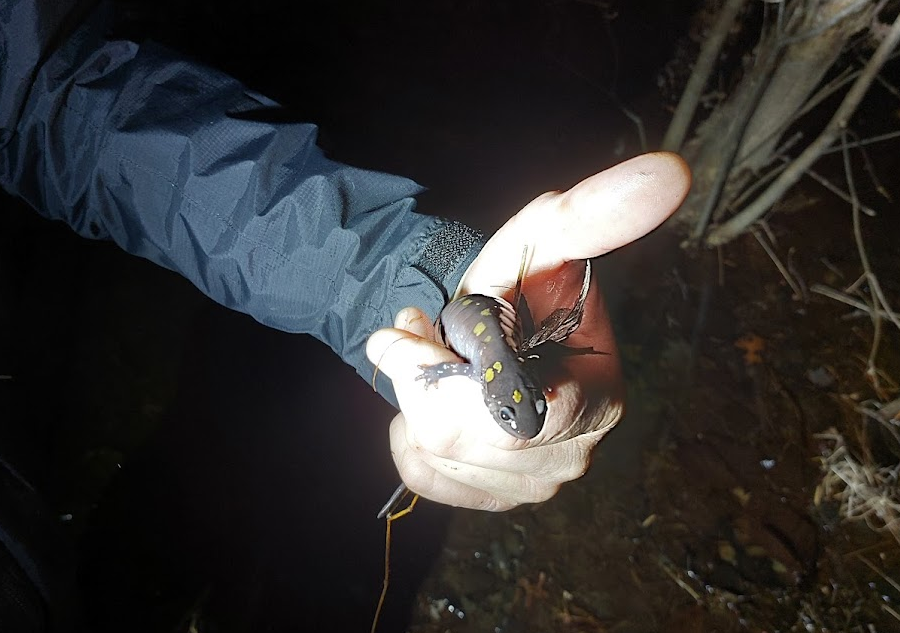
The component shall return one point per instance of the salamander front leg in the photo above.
(431, 374)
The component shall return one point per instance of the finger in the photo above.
(619, 205)
(473, 450)
(398, 353)
(443, 486)
(529, 469)
(601, 213)
(415, 322)
(605, 211)
(444, 414)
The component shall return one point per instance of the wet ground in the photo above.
(214, 475)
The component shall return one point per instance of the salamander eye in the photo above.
(507, 414)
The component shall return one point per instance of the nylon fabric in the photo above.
(181, 164)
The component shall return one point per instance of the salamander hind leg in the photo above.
(431, 374)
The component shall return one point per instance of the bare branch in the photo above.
(738, 224)
(612, 96)
(871, 369)
(750, 155)
(832, 21)
(887, 136)
(727, 147)
(798, 294)
(840, 193)
(706, 61)
(843, 297)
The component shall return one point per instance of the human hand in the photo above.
(445, 443)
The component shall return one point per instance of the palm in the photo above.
(445, 444)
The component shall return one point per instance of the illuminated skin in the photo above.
(445, 443)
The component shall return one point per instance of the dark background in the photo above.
(209, 463)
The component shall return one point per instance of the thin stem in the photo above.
(798, 294)
(738, 224)
(703, 67)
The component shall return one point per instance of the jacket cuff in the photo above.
(447, 253)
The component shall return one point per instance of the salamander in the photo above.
(487, 333)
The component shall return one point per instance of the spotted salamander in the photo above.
(488, 333)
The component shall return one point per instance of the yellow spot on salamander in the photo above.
(517, 396)
(488, 374)
(487, 339)
(479, 328)
(486, 312)
(466, 302)
(498, 366)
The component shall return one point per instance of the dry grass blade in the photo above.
(866, 491)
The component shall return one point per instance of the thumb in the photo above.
(601, 213)
(398, 353)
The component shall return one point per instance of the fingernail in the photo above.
(401, 322)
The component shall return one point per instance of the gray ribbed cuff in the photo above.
(447, 253)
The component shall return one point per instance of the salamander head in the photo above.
(514, 399)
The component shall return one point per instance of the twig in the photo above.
(846, 76)
(893, 583)
(728, 147)
(868, 548)
(703, 67)
(891, 410)
(837, 295)
(796, 274)
(613, 97)
(887, 136)
(781, 268)
(389, 519)
(840, 193)
(848, 11)
(871, 369)
(827, 264)
(823, 93)
(634, 118)
(874, 284)
(891, 315)
(758, 184)
(888, 86)
(876, 415)
(855, 286)
(679, 581)
(891, 88)
(738, 224)
(870, 169)
(768, 231)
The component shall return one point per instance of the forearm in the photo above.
(182, 165)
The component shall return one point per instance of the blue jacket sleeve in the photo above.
(182, 165)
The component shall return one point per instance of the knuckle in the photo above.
(575, 469)
(441, 442)
(537, 490)
(491, 503)
(418, 477)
